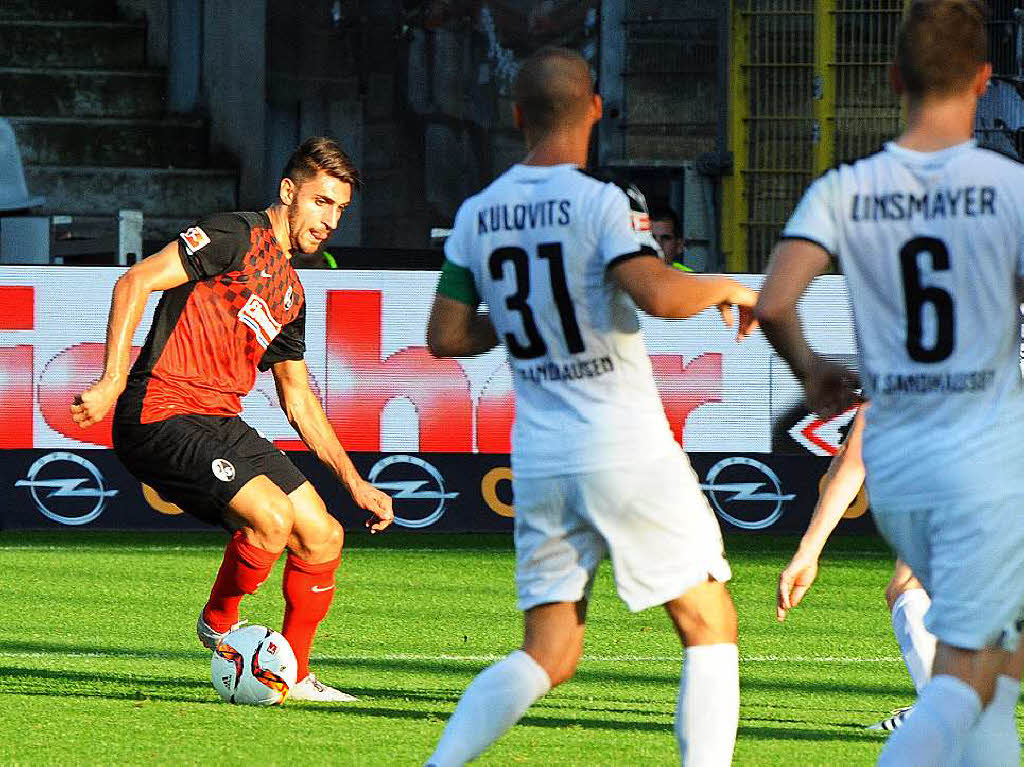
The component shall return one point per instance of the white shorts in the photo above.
(970, 559)
(652, 518)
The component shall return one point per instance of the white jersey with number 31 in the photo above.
(932, 244)
(538, 242)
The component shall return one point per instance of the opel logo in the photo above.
(90, 487)
(741, 492)
(408, 487)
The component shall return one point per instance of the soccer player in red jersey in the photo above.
(232, 304)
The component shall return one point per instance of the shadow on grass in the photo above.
(585, 675)
(57, 650)
(761, 732)
(34, 681)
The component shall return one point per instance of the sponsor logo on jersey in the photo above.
(734, 486)
(223, 469)
(405, 489)
(64, 501)
(195, 239)
(641, 221)
(256, 316)
(288, 296)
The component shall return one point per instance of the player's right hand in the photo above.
(794, 582)
(91, 406)
(744, 299)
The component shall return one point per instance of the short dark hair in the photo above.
(940, 46)
(320, 153)
(665, 213)
(553, 88)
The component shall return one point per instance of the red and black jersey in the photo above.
(243, 309)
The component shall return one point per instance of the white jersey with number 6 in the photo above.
(931, 245)
(538, 242)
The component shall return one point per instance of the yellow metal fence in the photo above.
(808, 91)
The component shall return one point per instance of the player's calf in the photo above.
(553, 637)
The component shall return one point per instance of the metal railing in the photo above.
(809, 91)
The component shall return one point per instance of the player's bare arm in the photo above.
(829, 388)
(456, 329)
(665, 292)
(307, 417)
(843, 481)
(161, 271)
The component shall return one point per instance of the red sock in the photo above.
(244, 568)
(308, 591)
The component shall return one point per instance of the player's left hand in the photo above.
(830, 388)
(794, 582)
(376, 502)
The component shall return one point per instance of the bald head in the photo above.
(553, 90)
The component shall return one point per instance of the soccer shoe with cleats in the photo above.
(208, 636)
(894, 721)
(313, 689)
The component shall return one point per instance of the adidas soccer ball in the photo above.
(253, 665)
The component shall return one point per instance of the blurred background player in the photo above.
(907, 600)
(667, 233)
(930, 236)
(232, 304)
(554, 253)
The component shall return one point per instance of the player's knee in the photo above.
(897, 587)
(708, 620)
(892, 593)
(274, 524)
(318, 541)
(329, 544)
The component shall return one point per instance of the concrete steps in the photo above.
(50, 10)
(178, 142)
(159, 192)
(72, 44)
(91, 123)
(81, 92)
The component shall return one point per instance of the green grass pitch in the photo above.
(99, 663)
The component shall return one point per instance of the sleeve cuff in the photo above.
(811, 240)
(644, 250)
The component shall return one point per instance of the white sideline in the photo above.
(156, 655)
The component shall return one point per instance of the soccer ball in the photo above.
(253, 665)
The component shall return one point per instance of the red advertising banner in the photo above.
(381, 388)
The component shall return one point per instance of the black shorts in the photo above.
(199, 462)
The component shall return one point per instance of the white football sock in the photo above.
(709, 705)
(492, 703)
(917, 644)
(994, 741)
(946, 710)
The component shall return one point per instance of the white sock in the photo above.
(917, 644)
(946, 710)
(492, 703)
(709, 705)
(994, 741)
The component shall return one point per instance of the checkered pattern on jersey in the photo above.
(267, 273)
(265, 257)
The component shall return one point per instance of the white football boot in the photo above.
(208, 636)
(313, 689)
(894, 721)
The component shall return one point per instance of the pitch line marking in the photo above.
(157, 655)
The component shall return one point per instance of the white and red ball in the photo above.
(255, 666)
